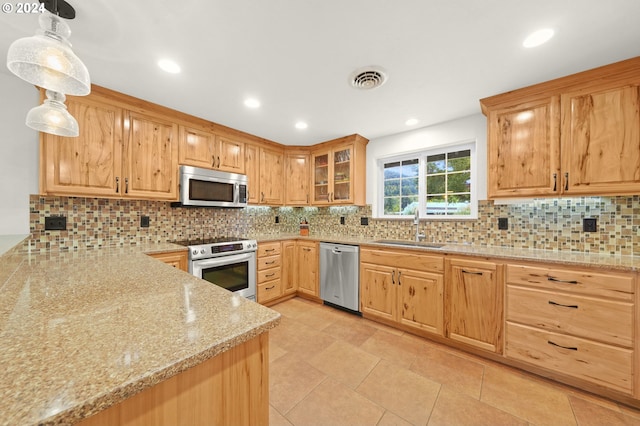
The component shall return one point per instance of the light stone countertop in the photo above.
(80, 331)
(561, 258)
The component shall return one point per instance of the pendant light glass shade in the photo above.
(46, 59)
(52, 117)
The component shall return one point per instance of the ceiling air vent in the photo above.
(368, 78)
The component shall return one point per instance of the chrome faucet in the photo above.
(416, 222)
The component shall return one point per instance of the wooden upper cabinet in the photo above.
(252, 170)
(523, 148)
(197, 147)
(202, 148)
(150, 158)
(297, 179)
(601, 141)
(271, 176)
(339, 172)
(230, 155)
(90, 163)
(576, 135)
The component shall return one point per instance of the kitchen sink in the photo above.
(411, 243)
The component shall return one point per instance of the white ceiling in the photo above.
(296, 56)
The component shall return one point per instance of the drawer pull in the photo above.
(551, 302)
(269, 288)
(393, 277)
(270, 263)
(399, 275)
(464, 271)
(571, 348)
(269, 249)
(306, 249)
(562, 281)
(270, 275)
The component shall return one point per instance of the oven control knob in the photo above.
(195, 251)
(254, 245)
(203, 251)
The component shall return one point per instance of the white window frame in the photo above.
(422, 155)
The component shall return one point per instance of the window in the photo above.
(438, 183)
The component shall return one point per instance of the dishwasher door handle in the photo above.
(335, 251)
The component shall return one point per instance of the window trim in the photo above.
(422, 155)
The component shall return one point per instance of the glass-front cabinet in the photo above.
(336, 174)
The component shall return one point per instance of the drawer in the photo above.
(403, 259)
(594, 362)
(597, 319)
(269, 291)
(612, 285)
(268, 249)
(268, 275)
(269, 262)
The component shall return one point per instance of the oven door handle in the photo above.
(223, 260)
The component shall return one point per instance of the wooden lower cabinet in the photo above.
(178, 259)
(229, 389)
(574, 323)
(289, 272)
(395, 294)
(474, 301)
(269, 285)
(308, 276)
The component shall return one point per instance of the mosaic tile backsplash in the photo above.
(551, 224)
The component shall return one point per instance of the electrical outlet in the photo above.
(55, 223)
(364, 221)
(341, 220)
(589, 224)
(144, 221)
(277, 219)
(503, 223)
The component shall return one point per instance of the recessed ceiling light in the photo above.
(252, 103)
(538, 37)
(301, 125)
(411, 122)
(169, 66)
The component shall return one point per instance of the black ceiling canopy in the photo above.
(60, 8)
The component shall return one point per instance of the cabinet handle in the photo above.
(566, 181)
(117, 184)
(464, 271)
(555, 280)
(126, 185)
(551, 302)
(270, 263)
(307, 198)
(399, 275)
(555, 182)
(332, 198)
(306, 249)
(393, 277)
(571, 348)
(218, 161)
(262, 197)
(269, 275)
(269, 288)
(269, 249)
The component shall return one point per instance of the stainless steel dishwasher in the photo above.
(340, 275)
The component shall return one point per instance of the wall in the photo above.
(19, 160)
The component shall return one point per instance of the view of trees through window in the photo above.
(446, 182)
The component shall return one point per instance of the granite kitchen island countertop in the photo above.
(83, 330)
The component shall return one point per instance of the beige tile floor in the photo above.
(328, 367)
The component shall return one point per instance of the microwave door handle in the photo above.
(236, 193)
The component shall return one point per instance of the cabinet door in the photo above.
(308, 268)
(289, 270)
(475, 304)
(252, 170)
(89, 164)
(229, 155)
(151, 158)
(342, 174)
(601, 141)
(197, 148)
(271, 177)
(321, 174)
(378, 291)
(524, 150)
(420, 299)
(177, 259)
(297, 182)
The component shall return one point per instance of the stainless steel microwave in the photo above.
(211, 188)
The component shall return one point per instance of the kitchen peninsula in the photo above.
(86, 332)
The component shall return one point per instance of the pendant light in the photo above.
(46, 59)
(52, 117)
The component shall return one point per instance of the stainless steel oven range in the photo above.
(226, 262)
